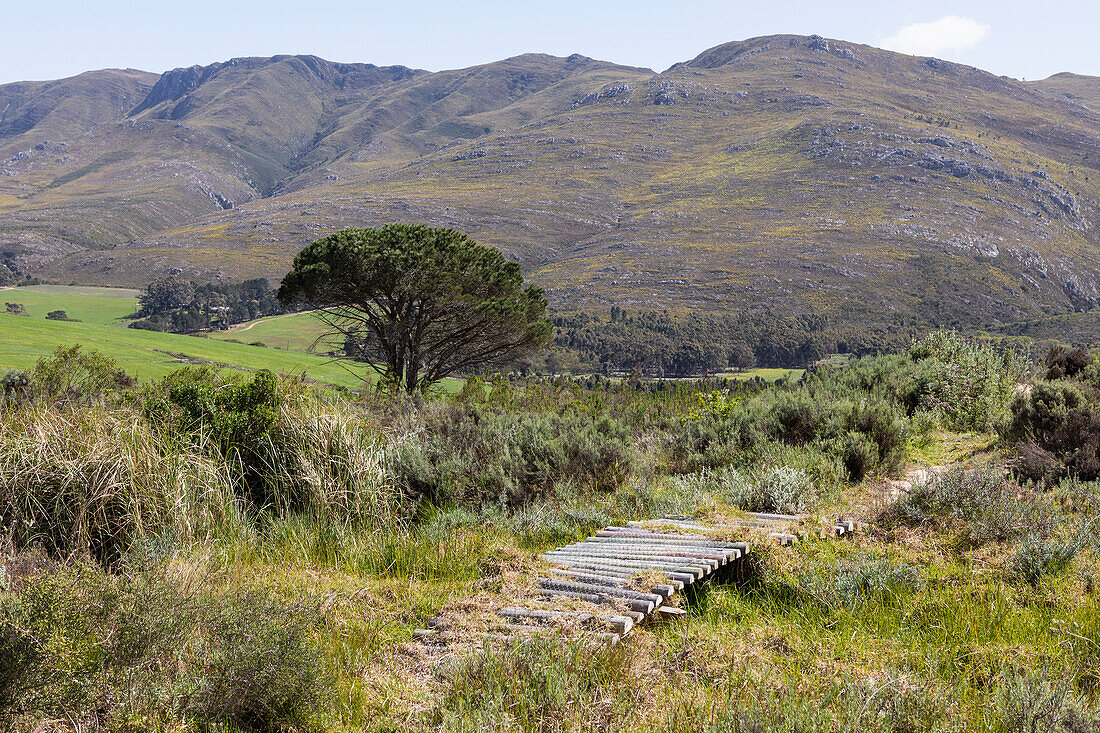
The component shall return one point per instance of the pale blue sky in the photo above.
(49, 39)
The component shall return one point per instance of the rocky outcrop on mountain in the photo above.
(174, 85)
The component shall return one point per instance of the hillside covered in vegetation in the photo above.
(791, 174)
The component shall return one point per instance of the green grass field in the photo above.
(90, 305)
(102, 314)
(765, 373)
(293, 332)
(150, 355)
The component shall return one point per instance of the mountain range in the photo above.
(790, 174)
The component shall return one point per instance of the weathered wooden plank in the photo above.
(661, 539)
(778, 517)
(700, 568)
(621, 623)
(610, 590)
(687, 536)
(590, 597)
(522, 628)
(742, 546)
(720, 555)
(670, 523)
(644, 602)
(704, 567)
(621, 574)
(626, 568)
(661, 589)
(671, 550)
(613, 531)
(544, 613)
(646, 562)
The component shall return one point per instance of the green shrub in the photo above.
(237, 416)
(77, 376)
(969, 383)
(882, 428)
(867, 435)
(715, 441)
(256, 666)
(106, 651)
(990, 507)
(1036, 557)
(233, 417)
(822, 468)
(466, 453)
(1062, 420)
(1028, 701)
(798, 417)
(727, 483)
(15, 387)
(782, 489)
(287, 449)
(860, 456)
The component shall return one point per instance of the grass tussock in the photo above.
(96, 481)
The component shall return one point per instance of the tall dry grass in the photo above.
(332, 460)
(96, 481)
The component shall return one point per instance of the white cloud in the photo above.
(950, 33)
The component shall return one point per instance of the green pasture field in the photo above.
(766, 373)
(102, 313)
(151, 355)
(87, 304)
(292, 332)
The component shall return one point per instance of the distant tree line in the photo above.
(647, 342)
(180, 306)
(665, 344)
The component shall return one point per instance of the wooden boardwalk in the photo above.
(622, 576)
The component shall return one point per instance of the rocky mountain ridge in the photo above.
(788, 173)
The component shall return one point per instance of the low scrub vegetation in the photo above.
(1055, 425)
(245, 551)
(135, 650)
